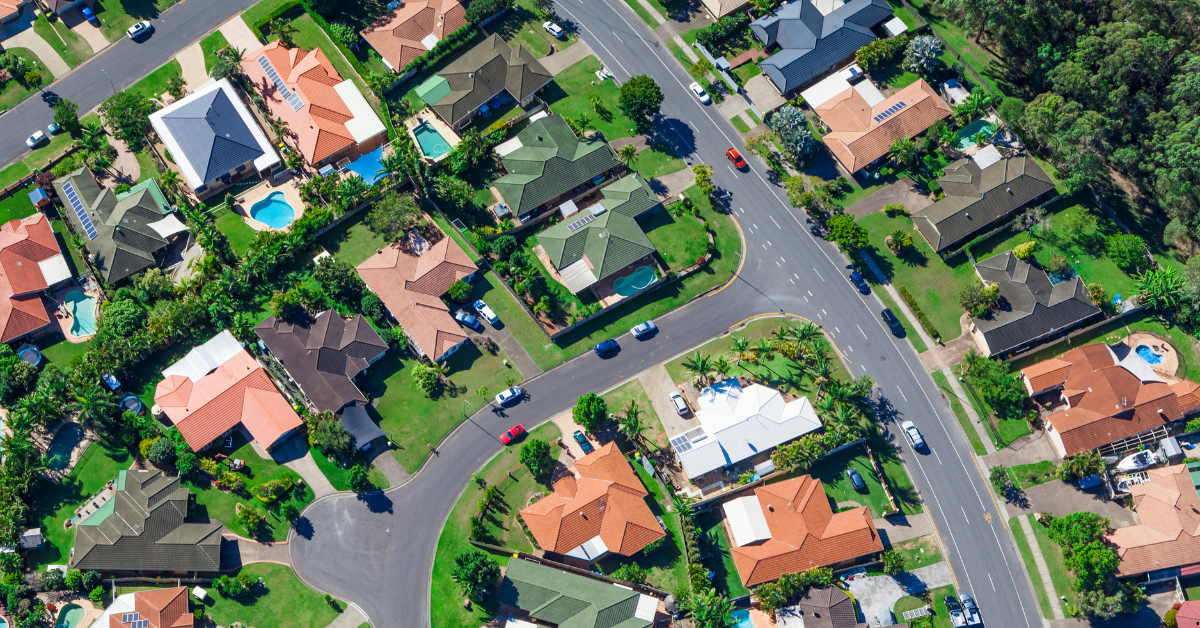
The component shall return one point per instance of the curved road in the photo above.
(377, 551)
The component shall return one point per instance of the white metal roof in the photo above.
(577, 276)
(646, 607)
(123, 604)
(504, 148)
(746, 519)
(168, 226)
(55, 269)
(869, 92)
(987, 156)
(825, 90)
(955, 91)
(895, 26)
(365, 124)
(568, 208)
(203, 359)
(591, 550)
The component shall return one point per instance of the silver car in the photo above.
(506, 396)
(643, 329)
(913, 434)
(680, 403)
(37, 138)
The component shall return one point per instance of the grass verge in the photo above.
(960, 414)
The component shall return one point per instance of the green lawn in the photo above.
(14, 91)
(715, 546)
(116, 16)
(210, 45)
(740, 124)
(936, 599)
(753, 117)
(919, 552)
(618, 399)
(147, 164)
(339, 476)
(1026, 476)
(897, 476)
(36, 158)
(747, 71)
(777, 369)
(1191, 587)
(667, 567)
(56, 502)
(154, 85)
(71, 47)
(281, 595)
(568, 94)
(545, 354)
(894, 75)
(17, 205)
(680, 240)
(239, 234)
(987, 65)
(730, 46)
(1148, 225)
(523, 25)
(1002, 432)
(908, 17)
(1035, 578)
(57, 351)
(352, 241)
(656, 161)
(1060, 576)
(961, 414)
(831, 471)
(260, 11)
(447, 608)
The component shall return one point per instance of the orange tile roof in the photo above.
(24, 243)
(805, 532)
(1169, 532)
(857, 139)
(1189, 614)
(411, 286)
(8, 8)
(1043, 375)
(398, 35)
(319, 127)
(238, 391)
(605, 500)
(163, 608)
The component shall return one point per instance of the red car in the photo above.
(512, 434)
(736, 158)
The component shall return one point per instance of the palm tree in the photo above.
(980, 138)
(700, 366)
(627, 153)
(948, 137)
(722, 366)
(392, 165)
(862, 386)
(821, 371)
(971, 362)
(903, 151)
(741, 346)
(95, 406)
(631, 424)
(285, 30)
(763, 350)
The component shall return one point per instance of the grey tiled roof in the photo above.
(975, 199)
(551, 162)
(568, 600)
(213, 137)
(487, 69)
(813, 43)
(1029, 305)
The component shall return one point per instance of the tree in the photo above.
(176, 87)
(763, 7)
(1025, 250)
(700, 366)
(162, 452)
(285, 30)
(474, 570)
(460, 291)
(703, 174)
(227, 64)
(53, 580)
(1058, 264)
(709, 609)
(343, 33)
(17, 377)
(630, 572)
(1080, 466)
(455, 191)
(893, 563)
(505, 246)
(1162, 289)
(393, 215)
(339, 280)
(1127, 251)
(535, 454)
(97, 595)
(426, 377)
(327, 434)
(627, 153)
(1001, 479)
(700, 69)
(899, 241)
(640, 99)
(922, 55)
(358, 478)
(90, 580)
(250, 519)
(903, 151)
(770, 597)
(849, 235)
(795, 137)
(289, 511)
(66, 115)
(590, 412)
(630, 423)
(286, 305)
(979, 300)
(73, 579)
(129, 114)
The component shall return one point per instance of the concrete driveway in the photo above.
(1061, 499)
(877, 592)
(90, 33)
(20, 34)
(659, 386)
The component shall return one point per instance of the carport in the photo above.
(358, 423)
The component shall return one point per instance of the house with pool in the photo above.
(30, 264)
(328, 118)
(124, 233)
(487, 76)
(413, 28)
(214, 139)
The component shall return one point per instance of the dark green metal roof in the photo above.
(629, 195)
(568, 600)
(551, 162)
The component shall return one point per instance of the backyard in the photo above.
(281, 595)
(57, 351)
(570, 93)
(680, 240)
(975, 55)
(667, 568)
(237, 232)
(715, 546)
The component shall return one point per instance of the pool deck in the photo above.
(64, 319)
(1169, 365)
(289, 185)
(91, 612)
(443, 129)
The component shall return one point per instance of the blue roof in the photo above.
(38, 194)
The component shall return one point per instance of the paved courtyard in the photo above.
(876, 592)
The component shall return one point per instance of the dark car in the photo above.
(856, 479)
(512, 434)
(606, 347)
(468, 320)
(893, 322)
(859, 282)
(583, 442)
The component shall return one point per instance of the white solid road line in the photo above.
(773, 220)
(818, 273)
(860, 330)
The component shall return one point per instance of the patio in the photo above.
(288, 185)
(606, 289)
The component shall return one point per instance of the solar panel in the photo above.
(292, 98)
(581, 222)
(890, 110)
(295, 102)
(681, 444)
(695, 435)
(80, 211)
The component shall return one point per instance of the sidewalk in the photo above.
(900, 303)
(1043, 570)
(351, 617)
(969, 407)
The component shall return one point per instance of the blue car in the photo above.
(859, 282)
(606, 347)
(90, 17)
(466, 319)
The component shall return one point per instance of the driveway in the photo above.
(237, 551)
(1061, 499)
(295, 455)
(563, 59)
(513, 349)
(386, 462)
(191, 60)
(239, 35)
(125, 168)
(73, 20)
(18, 37)
(659, 386)
(877, 592)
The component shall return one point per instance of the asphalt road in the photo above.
(120, 65)
(377, 551)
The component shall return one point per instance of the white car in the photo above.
(700, 93)
(37, 138)
(680, 404)
(643, 329)
(506, 396)
(553, 29)
(486, 312)
(139, 29)
(913, 434)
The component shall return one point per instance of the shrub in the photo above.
(630, 572)
(53, 580)
(979, 300)
(90, 580)
(482, 9)
(393, 215)
(849, 235)
(591, 412)
(1169, 618)
(249, 519)
(893, 563)
(426, 377)
(97, 595)
(722, 29)
(881, 51)
(460, 291)
(1025, 250)
(162, 452)
(358, 478)
(895, 210)
(916, 310)
(535, 454)
(656, 545)
(146, 444)
(1126, 251)
(921, 56)
(1058, 264)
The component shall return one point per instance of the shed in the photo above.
(39, 198)
(1171, 450)
(31, 538)
(358, 423)
(200, 594)
(895, 27)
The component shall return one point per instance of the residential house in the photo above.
(157, 608)
(980, 191)
(10, 10)
(144, 528)
(1189, 614)
(218, 386)
(594, 245)
(600, 509)
(125, 233)
(548, 164)
(328, 118)
(1166, 541)
(737, 424)
(323, 354)
(554, 597)
(482, 77)
(1031, 308)
(410, 276)
(789, 527)
(1114, 400)
(828, 607)
(413, 28)
(721, 8)
(30, 263)
(861, 133)
(60, 7)
(815, 37)
(214, 139)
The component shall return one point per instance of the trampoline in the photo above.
(31, 355)
(131, 403)
(640, 278)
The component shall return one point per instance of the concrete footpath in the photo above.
(1043, 570)
(969, 407)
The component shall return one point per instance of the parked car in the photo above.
(139, 29)
(508, 395)
(486, 312)
(512, 434)
(553, 29)
(681, 406)
(37, 138)
(913, 434)
(893, 322)
(971, 610)
(700, 93)
(90, 17)
(466, 319)
(859, 282)
(644, 329)
(584, 444)
(606, 347)
(855, 479)
(53, 128)
(736, 158)
(957, 618)
(1090, 482)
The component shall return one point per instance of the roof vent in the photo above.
(770, 507)
(968, 216)
(1009, 190)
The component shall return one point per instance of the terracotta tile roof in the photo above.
(163, 608)
(23, 244)
(856, 138)
(1043, 375)
(399, 35)
(605, 500)
(1169, 532)
(9, 8)
(805, 532)
(1189, 614)
(238, 391)
(410, 285)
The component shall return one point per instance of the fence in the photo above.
(162, 582)
(708, 502)
(725, 77)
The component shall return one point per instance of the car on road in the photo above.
(913, 434)
(859, 282)
(553, 29)
(139, 29)
(893, 322)
(37, 138)
(736, 158)
(508, 395)
(855, 479)
(958, 618)
(583, 442)
(970, 610)
(486, 312)
(700, 93)
(606, 347)
(90, 17)
(644, 329)
(681, 406)
(512, 434)
(466, 319)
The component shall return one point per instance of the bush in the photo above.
(1126, 251)
(97, 595)
(483, 9)
(922, 55)
(881, 51)
(895, 210)
(474, 570)
(591, 412)
(1169, 618)
(90, 580)
(162, 452)
(630, 572)
(535, 454)
(722, 29)
(849, 235)
(460, 291)
(53, 580)
(250, 519)
(1025, 250)
(146, 444)
(426, 377)
(393, 215)
(979, 300)
(916, 310)
(893, 563)
(358, 478)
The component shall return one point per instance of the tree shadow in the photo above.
(376, 502)
(303, 527)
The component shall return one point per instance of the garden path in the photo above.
(673, 184)
(191, 59)
(94, 37)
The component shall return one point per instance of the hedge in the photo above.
(916, 310)
(481, 10)
(279, 11)
(442, 49)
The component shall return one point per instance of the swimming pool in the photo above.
(743, 618)
(964, 135)
(1149, 355)
(273, 211)
(58, 455)
(433, 145)
(83, 312)
(638, 279)
(70, 616)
